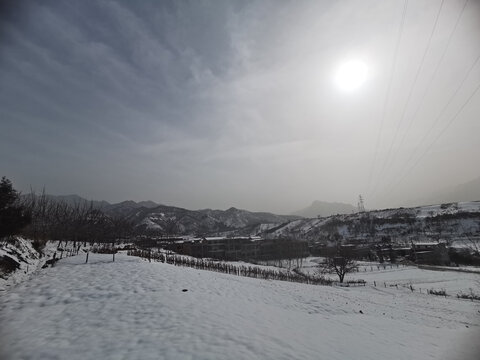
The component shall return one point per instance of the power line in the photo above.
(387, 96)
(410, 93)
(414, 116)
(439, 63)
(440, 134)
(439, 116)
(434, 124)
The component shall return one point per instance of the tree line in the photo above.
(40, 218)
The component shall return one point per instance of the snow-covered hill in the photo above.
(176, 220)
(132, 309)
(19, 260)
(453, 222)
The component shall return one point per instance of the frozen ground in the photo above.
(28, 259)
(454, 282)
(132, 309)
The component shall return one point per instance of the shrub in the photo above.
(440, 292)
(471, 296)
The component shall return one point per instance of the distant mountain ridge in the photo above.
(324, 209)
(171, 219)
(451, 220)
(163, 219)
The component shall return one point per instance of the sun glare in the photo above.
(351, 75)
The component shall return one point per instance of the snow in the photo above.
(464, 268)
(453, 281)
(150, 224)
(395, 223)
(453, 208)
(471, 206)
(30, 260)
(264, 227)
(132, 309)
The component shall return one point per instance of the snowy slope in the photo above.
(133, 309)
(29, 260)
(205, 222)
(453, 222)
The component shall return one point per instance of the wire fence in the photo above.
(228, 268)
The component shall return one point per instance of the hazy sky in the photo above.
(216, 104)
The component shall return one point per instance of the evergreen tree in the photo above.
(13, 216)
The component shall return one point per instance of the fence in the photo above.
(269, 274)
(228, 268)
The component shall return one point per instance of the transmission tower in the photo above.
(361, 206)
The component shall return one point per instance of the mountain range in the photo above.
(163, 219)
(149, 216)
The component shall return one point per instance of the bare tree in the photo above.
(120, 229)
(78, 222)
(340, 261)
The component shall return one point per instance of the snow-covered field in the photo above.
(132, 309)
(453, 282)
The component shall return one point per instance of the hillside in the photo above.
(132, 309)
(452, 222)
(163, 219)
(175, 220)
(449, 221)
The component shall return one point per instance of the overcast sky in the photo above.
(216, 104)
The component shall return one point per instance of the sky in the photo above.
(213, 104)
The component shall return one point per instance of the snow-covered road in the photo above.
(132, 309)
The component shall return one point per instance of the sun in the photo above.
(351, 75)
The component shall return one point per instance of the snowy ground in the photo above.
(453, 282)
(132, 309)
(28, 259)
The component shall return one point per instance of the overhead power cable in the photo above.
(412, 87)
(437, 67)
(387, 95)
(436, 121)
(427, 88)
(445, 128)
